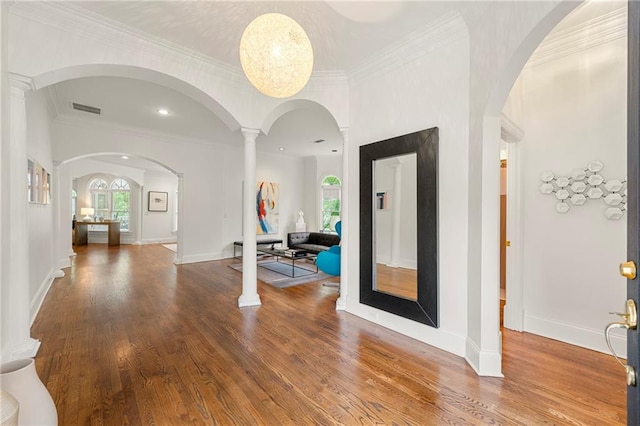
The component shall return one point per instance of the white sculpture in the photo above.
(300, 225)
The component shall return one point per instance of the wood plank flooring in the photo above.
(401, 282)
(130, 338)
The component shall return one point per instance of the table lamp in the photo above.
(87, 212)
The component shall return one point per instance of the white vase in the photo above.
(8, 409)
(19, 378)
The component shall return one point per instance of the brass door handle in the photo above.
(630, 372)
(630, 322)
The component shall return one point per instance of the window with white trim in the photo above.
(330, 189)
(111, 201)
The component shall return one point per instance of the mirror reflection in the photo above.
(395, 225)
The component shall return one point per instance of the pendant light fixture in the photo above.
(276, 55)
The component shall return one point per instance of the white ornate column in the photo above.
(249, 295)
(60, 201)
(394, 260)
(180, 248)
(61, 188)
(341, 303)
(15, 316)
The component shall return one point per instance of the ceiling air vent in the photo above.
(319, 141)
(86, 108)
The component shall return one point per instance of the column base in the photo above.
(253, 300)
(28, 349)
(341, 304)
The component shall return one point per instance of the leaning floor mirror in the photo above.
(399, 226)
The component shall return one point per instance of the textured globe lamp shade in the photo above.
(276, 55)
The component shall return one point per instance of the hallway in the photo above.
(130, 338)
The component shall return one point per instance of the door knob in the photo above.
(628, 270)
(630, 322)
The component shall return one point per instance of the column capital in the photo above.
(249, 134)
(344, 131)
(21, 82)
(180, 175)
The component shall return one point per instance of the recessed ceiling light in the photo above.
(334, 150)
(318, 141)
(281, 148)
(163, 111)
(124, 157)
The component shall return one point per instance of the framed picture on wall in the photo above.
(158, 201)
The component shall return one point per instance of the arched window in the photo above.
(330, 189)
(120, 202)
(111, 201)
(100, 198)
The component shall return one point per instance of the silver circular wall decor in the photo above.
(584, 185)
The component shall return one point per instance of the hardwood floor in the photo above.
(130, 338)
(401, 282)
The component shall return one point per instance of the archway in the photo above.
(111, 167)
(491, 132)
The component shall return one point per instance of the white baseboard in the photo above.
(440, 338)
(205, 257)
(404, 263)
(37, 300)
(484, 363)
(576, 335)
(167, 240)
(64, 263)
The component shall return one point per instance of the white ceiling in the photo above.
(344, 34)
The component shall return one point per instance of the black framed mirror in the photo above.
(399, 197)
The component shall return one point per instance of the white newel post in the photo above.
(16, 337)
(396, 198)
(249, 295)
(341, 303)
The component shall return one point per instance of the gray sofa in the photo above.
(313, 242)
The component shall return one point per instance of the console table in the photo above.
(82, 232)
(270, 242)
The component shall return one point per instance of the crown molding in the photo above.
(592, 33)
(509, 130)
(84, 23)
(439, 33)
(21, 82)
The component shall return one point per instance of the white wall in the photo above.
(430, 91)
(40, 216)
(574, 111)
(157, 226)
(311, 205)
(213, 174)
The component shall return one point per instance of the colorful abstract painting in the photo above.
(267, 207)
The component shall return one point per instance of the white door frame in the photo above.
(512, 134)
